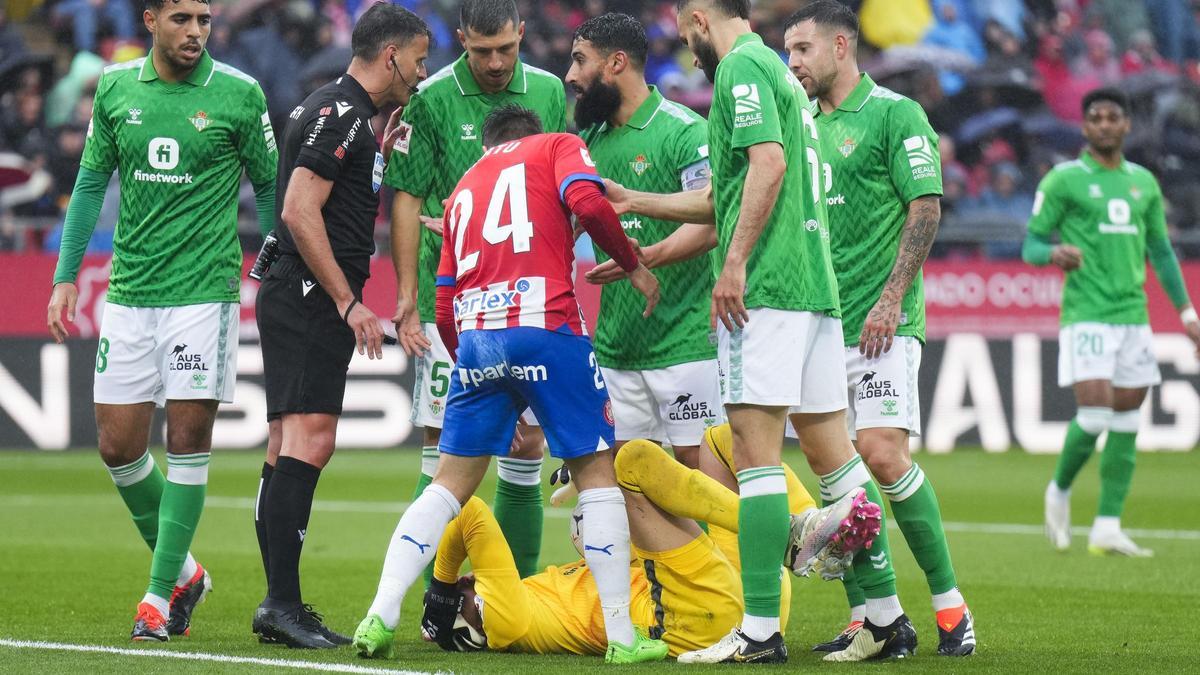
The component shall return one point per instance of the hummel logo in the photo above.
(343, 108)
(879, 561)
(302, 533)
(420, 547)
(308, 286)
(604, 550)
(134, 114)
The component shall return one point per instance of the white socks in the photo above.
(883, 611)
(1106, 525)
(858, 613)
(605, 530)
(519, 471)
(429, 460)
(759, 628)
(188, 571)
(161, 604)
(948, 600)
(413, 546)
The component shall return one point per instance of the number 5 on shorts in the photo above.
(440, 380)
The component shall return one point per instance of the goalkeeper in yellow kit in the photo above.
(686, 583)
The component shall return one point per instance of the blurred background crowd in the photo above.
(1001, 81)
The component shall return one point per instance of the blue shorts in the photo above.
(501, 372)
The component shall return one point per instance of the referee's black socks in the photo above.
(288, 504)
(260, 516)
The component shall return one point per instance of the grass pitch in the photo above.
(72, 569)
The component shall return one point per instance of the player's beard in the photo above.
(706, 54)
(597, 104)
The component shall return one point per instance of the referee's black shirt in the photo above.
(330, 134)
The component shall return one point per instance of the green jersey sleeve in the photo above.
(1048, 205)
(416, 153)
(749, 93)
(1156, 220)
(100, 148)
(691, 152)
(915, 166)
(256, 139)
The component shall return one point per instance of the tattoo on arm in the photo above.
(920, 228)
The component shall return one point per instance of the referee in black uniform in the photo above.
(310, 314)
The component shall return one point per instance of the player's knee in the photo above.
(188, 438)
(634, 459)
(886, 455)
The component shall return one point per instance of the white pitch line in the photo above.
(356, 506)
(203, 656)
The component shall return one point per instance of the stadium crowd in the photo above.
(1001, 81)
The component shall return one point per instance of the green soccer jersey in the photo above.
(443, 140)
(663, 148)
(880, 154)
(757, 100)
(179, 149)
(1109, 214)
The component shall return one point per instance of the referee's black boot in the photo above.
(293, 626)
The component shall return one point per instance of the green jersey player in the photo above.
(444, 125)
(883, 183)
(1108, 215)
(661, 371)
(179, 128)
(775, 286)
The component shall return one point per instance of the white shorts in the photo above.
(1120, 353)
(673, 404)
(784, 358)
(167, 353)
(883, 391)
(432, 386)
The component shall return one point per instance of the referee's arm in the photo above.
(306, 196)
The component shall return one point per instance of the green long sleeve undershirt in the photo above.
(264, 204)
(1166, 266)
(1036, 249)
(82, 213)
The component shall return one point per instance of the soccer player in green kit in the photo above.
(776, 311)
(179, 128)
(444, 125)
(661, 371)
(883, 186)
(1108, 214)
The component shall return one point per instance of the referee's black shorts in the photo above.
(306, 345)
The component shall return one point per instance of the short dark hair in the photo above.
(827, 13)
(509, 123)
(155, 5)
(488, 17)
(384, 24)
(615, 32)
(739, 9)
(1109, 94)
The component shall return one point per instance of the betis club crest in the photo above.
(847, 147)
(200, 120)
(639, 165)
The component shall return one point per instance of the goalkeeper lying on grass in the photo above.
(686, 583)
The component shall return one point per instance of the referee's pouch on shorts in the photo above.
(290, 266)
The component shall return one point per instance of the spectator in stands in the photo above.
(1062, 90)
(885, 23)
(1008, 207)
(951, 31)
(60, 104)
(1175, 29)
(85, 17)
(1143, 56)
(11, 43)
(1097, 63)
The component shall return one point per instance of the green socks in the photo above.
(518, 508)
(1117, 462)
(873, 572)
(178, 515)
(1080, 443)
(763, 528)
(915, 508)
(140, 485)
